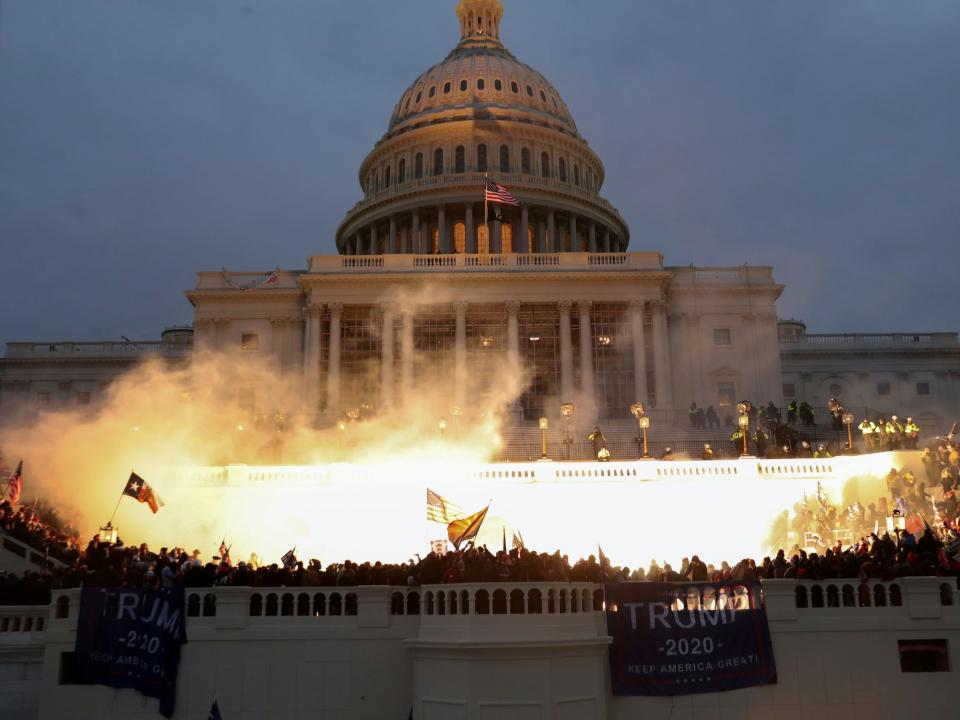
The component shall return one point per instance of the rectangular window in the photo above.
(883, 389)
(923, 388)
(789, 390)
(923, 656)
(68, 669)
(83, 398)
(721, 337)
(249, 341)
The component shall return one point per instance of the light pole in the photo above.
(848, 421)
(567, 411)
(643, 424)
(744, 422)
(544, 425)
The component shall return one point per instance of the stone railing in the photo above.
(689, 277)
(64, 350)
(462, 262)
(16, 621)
(870, 340)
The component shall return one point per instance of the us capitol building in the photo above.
(425, 286)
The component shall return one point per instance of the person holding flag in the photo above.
(496, 193)
(466, 529)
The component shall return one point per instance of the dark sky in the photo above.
(141, 141)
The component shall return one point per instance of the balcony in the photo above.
(557, 262)
(79, 350)
(869, 341)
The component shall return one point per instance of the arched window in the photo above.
(460, 238)
(514, 87)
(525, 161)
(418, 166)
(419, 96)
(498, 85)
(460, 159)
(481, 158)
(545, 165)
(435, 240)
(433, 91)
(480, 84)
(504, 158)
(531, 239)
(483, 240)
(529, 91)
(438, 161)
(386, 177)
(402, 172)
(506, 238)
(446, 88)
(543, 96)
(576, 175)
(562, 169)
(463, 86)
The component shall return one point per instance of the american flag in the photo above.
(16, 484)
(441, 510)
(497, 193)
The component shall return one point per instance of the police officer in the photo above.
(869, 430)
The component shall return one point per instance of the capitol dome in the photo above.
(481, 113)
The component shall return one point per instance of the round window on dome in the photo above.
(446, 88)
(463, 86)
(433, 91)
(480, 84)
(497, 85)
(514, 87)
(529, 91)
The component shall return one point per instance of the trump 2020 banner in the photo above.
(131, 639)
(679, 639)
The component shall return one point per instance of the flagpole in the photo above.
(486, 228)
(119, 500)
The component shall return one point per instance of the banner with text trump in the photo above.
(679, 639)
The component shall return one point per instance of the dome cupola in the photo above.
(479, 20)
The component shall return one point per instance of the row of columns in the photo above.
(406, 238)
(661, 353)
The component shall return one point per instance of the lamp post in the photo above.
(744, 422)
(544, 425)
(848, 421)
(896, 524)
(643, 424)
(567, 411)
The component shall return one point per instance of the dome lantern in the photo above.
(479, 19)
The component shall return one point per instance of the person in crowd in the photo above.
(869, 431)
(792, 412)
(806, 414)
(707, 452)
(713, 420)
(599, 444)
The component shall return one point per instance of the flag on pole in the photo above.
(224, 552)
(289, 560)
(140, 490)
(821, 496)
(441, 510)
(16, 484)
(604, 561)
(497, 193)
(504, 529)
(214, 711)
(466, 529)
(517, 540)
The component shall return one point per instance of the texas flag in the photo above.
(140, 490)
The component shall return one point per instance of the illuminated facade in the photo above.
(422, 284)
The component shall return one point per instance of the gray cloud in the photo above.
(143, 141)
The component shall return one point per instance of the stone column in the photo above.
(442, 224)
(406, 355)
(661, 347)
(391, 245)
(574, 242)
(521, 240)
(541, 237)
(415, 235)
(404, 239)
(471, 247)
(586, 353)
(606, 240)
(566, 352)
(639, 351)
(460, 352)
(551, 233)
(386, 357)
(333, 370)
(373, 240)
(513, 333)
(593, 237)
(311, 362)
